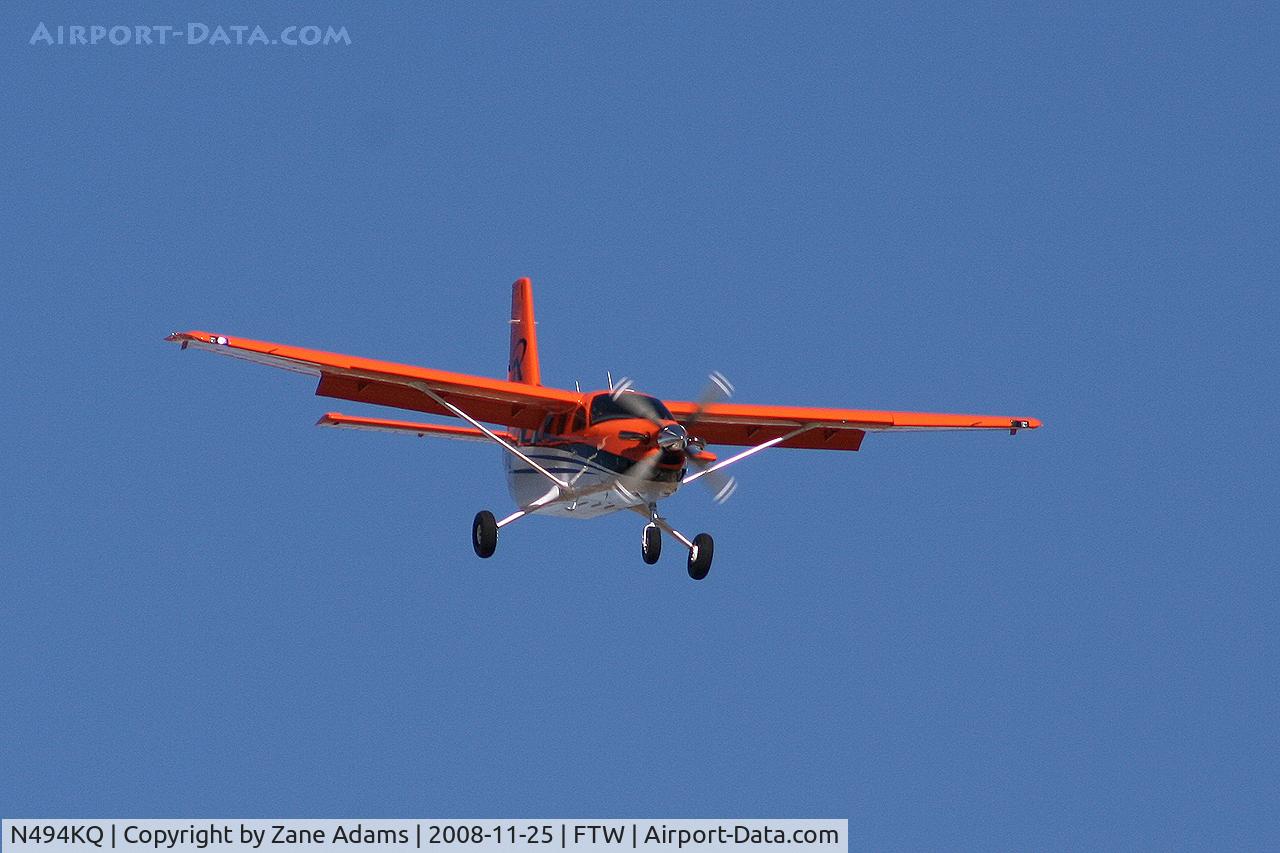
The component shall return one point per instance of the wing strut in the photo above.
(549, 497)
(750, 451)
(504, 444)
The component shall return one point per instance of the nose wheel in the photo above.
(651, 543)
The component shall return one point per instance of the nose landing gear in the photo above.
(651, 543)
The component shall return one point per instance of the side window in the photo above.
(546, 428)
(579, 420)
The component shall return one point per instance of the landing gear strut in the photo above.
(484, 534)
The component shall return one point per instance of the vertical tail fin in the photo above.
(523, 364)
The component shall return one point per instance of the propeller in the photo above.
(637, 474)
(678, 437)
(636, 404)
(722, 486)
(718, 389)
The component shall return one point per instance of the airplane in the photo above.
(571, 454)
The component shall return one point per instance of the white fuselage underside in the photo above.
(527, 485)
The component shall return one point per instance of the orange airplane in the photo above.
(580, 455)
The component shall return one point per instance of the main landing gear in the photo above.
(701, 547)
(484, 533)
(484, 538)
(700, 556)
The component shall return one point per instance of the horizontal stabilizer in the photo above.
(336, 419)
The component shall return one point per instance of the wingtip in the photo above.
(1023, 423)
(190, 335)
(197, 337)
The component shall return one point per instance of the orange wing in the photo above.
(832, 429)
(385, 383)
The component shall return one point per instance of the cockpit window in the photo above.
(605, 408)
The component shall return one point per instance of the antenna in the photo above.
(610, 375)
(577, 386)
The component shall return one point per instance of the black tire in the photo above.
(484, 534)
(700, 557)
(651, 544)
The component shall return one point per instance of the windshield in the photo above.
(605, 408)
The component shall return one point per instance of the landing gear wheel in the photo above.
(484, 534)
(651, 544)
(700, 556)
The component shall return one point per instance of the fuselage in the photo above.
(595, 448)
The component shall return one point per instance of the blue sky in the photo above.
(1060, 640)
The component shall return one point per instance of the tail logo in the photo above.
(516, 367)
